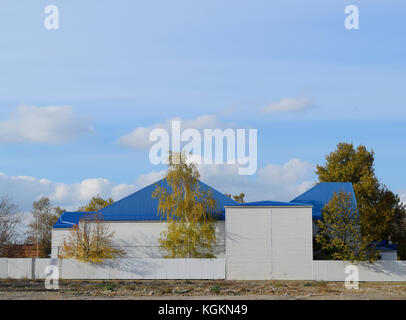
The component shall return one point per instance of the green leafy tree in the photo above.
(40, 229)
(95, 204)
(188, 210)
(340, 231)
(375, 202)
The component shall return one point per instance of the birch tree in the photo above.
(188, 210)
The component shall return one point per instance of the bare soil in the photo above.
(199, 289)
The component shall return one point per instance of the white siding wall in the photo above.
(248, 243)
(292, 247)
(58, 236)
(138, 239)
(269, 243)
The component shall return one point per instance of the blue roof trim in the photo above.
(321, 194)
(69, 219)
(140, 206)
(270, 204)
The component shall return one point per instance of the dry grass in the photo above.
(218, 288)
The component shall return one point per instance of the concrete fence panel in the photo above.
(378, 271)
(210, 269)
(39, 267)
(145, 269)
(20, 268)
(3, 268)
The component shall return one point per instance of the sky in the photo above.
(77, 103)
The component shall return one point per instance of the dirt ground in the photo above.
(198, 289)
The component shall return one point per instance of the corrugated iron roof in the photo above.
(69, 219)
(321, 194)
(140, 206)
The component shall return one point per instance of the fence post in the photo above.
(33, 268)
(60, 267)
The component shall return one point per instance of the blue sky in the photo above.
(114, 66)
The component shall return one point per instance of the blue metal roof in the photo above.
(140, 206)
(69, 219)
(269, 204)
(321, 194)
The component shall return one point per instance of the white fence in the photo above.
(116, 269)
(378, 271)
(211, 269)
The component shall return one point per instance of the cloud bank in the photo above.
(23, 190)
(52, 124)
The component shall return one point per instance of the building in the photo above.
(22, 251)
(258, 238)
(269, 240)
(137, 224)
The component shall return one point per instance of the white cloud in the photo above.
(288, 104)
(151, 177)
(139, 137)
(272, 182)
(290, 172)
(24, 190)
(52, 124)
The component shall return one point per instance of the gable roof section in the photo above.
(140, 206)
(321, 194)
